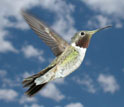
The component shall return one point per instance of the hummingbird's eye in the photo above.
(82, 33)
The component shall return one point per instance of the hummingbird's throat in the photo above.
(83, 42)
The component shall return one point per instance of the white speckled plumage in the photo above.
(63, 71)
(73, 65)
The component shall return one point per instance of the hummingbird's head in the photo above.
(82, 38)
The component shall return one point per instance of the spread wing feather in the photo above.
(55, 42)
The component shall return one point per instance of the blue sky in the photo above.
(99, 82)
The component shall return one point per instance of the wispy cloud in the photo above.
(52, 92)
(87, 83)
(109, 11)
(5, 45)
(8, 95)
(3, 73)
(108, 83)
(59, 81)
(26, 74)
(77, 104)
(6, 81)
(33, 105)
(25, 99)
(99, 20)
(12, 9)
(112, 7)
(30, 52)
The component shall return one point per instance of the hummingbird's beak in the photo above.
(97, 30)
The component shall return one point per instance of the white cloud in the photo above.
(26, 74)
(25, 99)
(78, 104)
(64, 27)
(59, 81)
(5, 45)
(29, 51)
(13, 9)
(7, 10)
(7, 82)
(8, 94)
(99, 20)
(87, 83)
(113, 7)
(34, 105)
(3, 73)
(108, 83)
(52, 92)
(110, 10)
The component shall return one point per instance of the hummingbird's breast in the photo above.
(70, 60)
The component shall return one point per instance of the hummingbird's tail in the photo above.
(30, 82)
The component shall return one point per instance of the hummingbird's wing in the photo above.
(55, 42)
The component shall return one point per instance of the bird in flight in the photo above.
(68, 56)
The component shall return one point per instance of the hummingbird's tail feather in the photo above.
(30, 82)
(27, 82)
(34, 89)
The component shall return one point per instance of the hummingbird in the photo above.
(69, 56)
